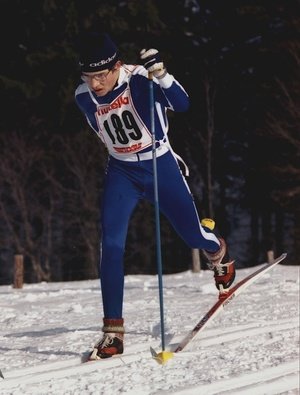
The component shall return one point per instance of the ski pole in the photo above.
(156, 205)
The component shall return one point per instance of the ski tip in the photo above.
(85, 357)
(1, 375)
(162, 357)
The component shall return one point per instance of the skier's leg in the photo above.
(177, 203)
(119, 199)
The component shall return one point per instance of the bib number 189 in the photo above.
(122, 128)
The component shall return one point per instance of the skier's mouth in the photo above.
(99, 91)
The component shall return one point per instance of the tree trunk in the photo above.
(18, 271)
(196, 262)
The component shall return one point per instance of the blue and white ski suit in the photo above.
(122, 120)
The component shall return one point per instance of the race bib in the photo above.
(120, 126)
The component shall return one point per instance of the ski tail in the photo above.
(225, 300)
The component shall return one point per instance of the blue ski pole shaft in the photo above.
(156, 206)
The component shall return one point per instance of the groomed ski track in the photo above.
(285, 375)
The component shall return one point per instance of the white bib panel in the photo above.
(120, 126)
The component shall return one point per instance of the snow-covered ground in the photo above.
(252, 347)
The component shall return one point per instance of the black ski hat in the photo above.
(97, 52)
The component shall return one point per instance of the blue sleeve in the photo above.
(176, 97)
(168, 92)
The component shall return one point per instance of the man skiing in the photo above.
(114, 97)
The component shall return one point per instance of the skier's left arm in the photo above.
(175, 94)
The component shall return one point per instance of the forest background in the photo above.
(239, 62)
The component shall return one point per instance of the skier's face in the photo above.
(104, 81)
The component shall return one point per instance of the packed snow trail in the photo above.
(251, 348)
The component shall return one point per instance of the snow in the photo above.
(251, 347)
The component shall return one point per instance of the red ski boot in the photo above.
(112, 341)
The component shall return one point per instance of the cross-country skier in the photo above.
(114, 97)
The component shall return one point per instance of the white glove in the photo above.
(153, 63)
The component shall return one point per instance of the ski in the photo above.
(85, 358)
(223, 301)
